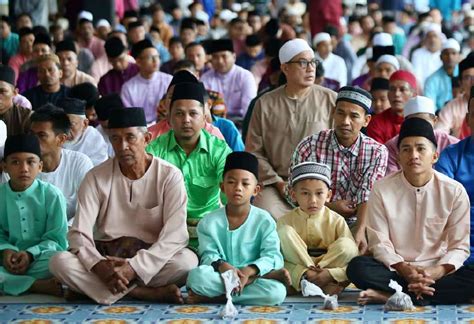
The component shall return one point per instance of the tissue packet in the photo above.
(399, 301)
(231, 280)
(310, 289)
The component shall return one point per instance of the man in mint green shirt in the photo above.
(33, 224)
(199, 155)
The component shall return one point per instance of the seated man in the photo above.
(84, 138)
(418, 107)
(457, 162)
(129, 233)
(199, 155)
(66, 50)
(315, 241)
(33, 223)
(418, 229)
(242, 238)
(356, 160)
(63, 168)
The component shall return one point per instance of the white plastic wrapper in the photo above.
(310, 289)
(399, 301)
(231, 280)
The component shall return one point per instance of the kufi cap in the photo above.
(451, 43)
(404, 76)
(356, 96)
(66, 45)
(130, 14)
(321, 37)
(87, 15)
(104, 105)
(379, 84)
(311, 170)
(25, 143)
(183, 76)
(432, 28)
(220, 45)
(382, 39)
(114, 47)
(72, 106)
(127, 117)
(135, 24)
(140, 46)
(7, 74)
(189, 91)
(85, 91)
(102, 23)
(466, 64)
(292, 48)
(253, 40)
(418, 105)
(42, 38)
(227, 15)
(390, 59)
(378, 51)
(417, 127)
(242, 161)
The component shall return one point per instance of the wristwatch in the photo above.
(217, 264)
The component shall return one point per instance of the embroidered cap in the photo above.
(311, 170)
(356, 96)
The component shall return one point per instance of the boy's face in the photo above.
(239, 186)
(380, 102)
(23, 168)
(311, 195)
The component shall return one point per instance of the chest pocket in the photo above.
(202, 189)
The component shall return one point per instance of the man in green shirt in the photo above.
(33, 225)
(199, 155)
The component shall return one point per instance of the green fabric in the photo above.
(35, 221)
(202, 171)
(10, 44)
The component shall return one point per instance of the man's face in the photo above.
(384, 70)
(238, 31)
(26, 44)
(417, 155)
(253, 51)
(50, 142)
(187, 36)
(255, 23)
(197, 55)
(40, 49)
(136, 34)
(467, 80)
(433, 41)
(23, 21)
(69, 63)
(129, 144)
(349, 119)
(398, 94)
(78, 126)
(158, 16)
(324, 48)
(22, 168)
(187, 119)
(176, 51)
(148, 61)
(86, 30)
(380, 101)
(295, 71)
(48, 73)
(7, 92)
(119, 63)
(450, 58)
(223, 61)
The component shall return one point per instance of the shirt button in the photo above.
(418, 190)
(22, 207)
(24, 231)
(23, 219)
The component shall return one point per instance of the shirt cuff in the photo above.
(454, 258)
(35, 251)
(89, 257)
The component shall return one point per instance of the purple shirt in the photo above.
(238, 87)
(112, 81)
(140, 92)
(27, 79)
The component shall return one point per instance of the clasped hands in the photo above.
(420, 279)
(116, 273)
(244, 275)
(17, 262)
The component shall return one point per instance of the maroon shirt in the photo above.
(112, 81)
(384, 126)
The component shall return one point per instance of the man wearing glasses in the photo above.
(282, 118)
(148, 87)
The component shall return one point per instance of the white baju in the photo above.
(92, 144)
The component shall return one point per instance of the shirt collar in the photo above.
(353, 149)
(27, 191)
(427, 187)
(202, 143)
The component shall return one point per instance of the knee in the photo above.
(356, 269)
(275, 293)
(188, 260)
(59, 263)
(198, 278)
(346, 247)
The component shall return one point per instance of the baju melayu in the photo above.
(17, 119)
(438, 87)
(230, 132)
(78, 78)
(425, 63)
(111, 206)
(385, 126)
(113, 80)
(452, 117)
(202, 171)
(300, 232)
(92, 144)
(334, 68)
(164, 126)
(33, 220)
(38, 97)
(255, 242)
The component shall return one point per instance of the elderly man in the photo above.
(426, 59)
(386, 125)
(282, 118)
(438, 85)
(50, 89)
(423, 245)
(67, 53)
(129, 234)
(236, 83)
(356, 160)
(198, 154)
(418, 107)
(84, 138)
(334, 65)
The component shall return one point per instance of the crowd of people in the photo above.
(280, 140)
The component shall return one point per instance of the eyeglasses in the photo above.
(304, 63)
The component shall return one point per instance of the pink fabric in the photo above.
(163, 126)
(96, 46)
(16, 62)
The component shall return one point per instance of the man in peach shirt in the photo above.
(418, 229)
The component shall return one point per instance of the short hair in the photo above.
(188, 23)
(194, 44)
(156, 7)
(24, 32)
(388, 20)
(175, 40)
(184, 64)
(236, 21)
(49, 57)
(55, 115)
(5, 19)
(23, 14)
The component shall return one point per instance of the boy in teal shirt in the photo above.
(242, 238)
(33, 223)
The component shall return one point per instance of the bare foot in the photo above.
(371, 296)
(320, 277)
(47, 286)
(281, 275)
(333, 289)
(194, 298)
(165, 294)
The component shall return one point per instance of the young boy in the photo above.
(316, 242)
(379, 91)
(242, 238)
(33, 225)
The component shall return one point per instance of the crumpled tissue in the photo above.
(231, 280)
(399, 301)
(310, 289)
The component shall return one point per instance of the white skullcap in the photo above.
(227, 15)
(390, 59)
(382, 39)
(3, 137)
(102, 23)
(203, 16)
(419, 105)
(292, 48)
(469, 13)
(432, 28)
(452, 44)
(85, 15)
(236, 7)
(321, 37)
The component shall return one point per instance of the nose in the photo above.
(24, 167)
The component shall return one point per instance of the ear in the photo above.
(435, 157)
(368, 118)
(40, 166)
(293, 194)
(61, 139)
(86, 122)
(257, 190)
(221, 186)
(328, 199)
(147, 137)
